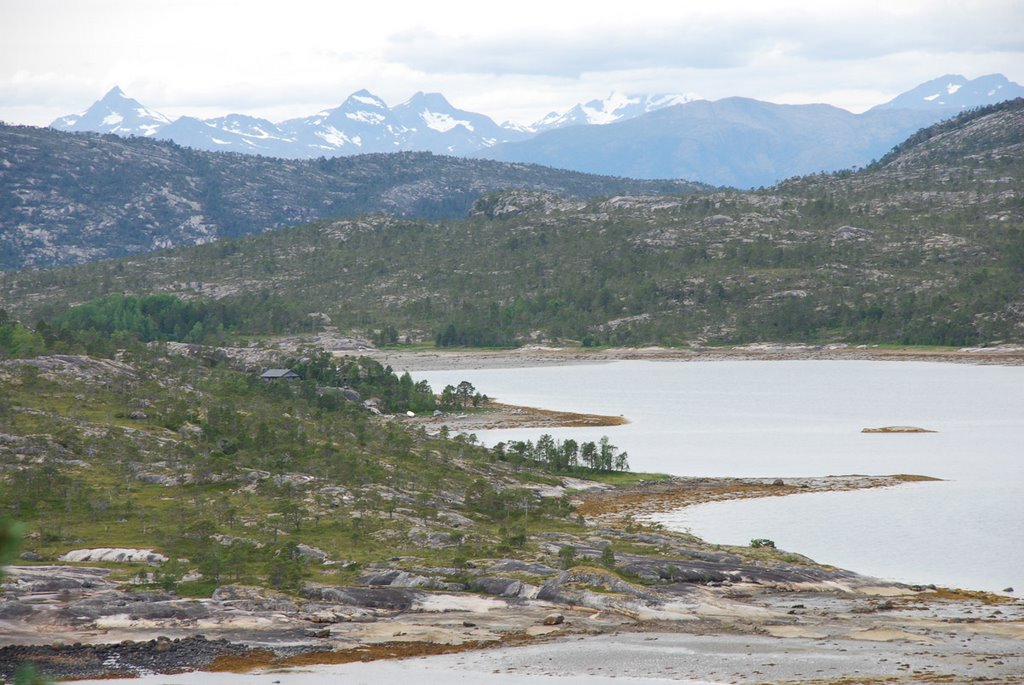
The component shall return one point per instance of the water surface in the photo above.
(803, 418)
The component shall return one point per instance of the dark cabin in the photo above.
(279, 375)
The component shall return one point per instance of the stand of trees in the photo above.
(565, 455)
(369, 378)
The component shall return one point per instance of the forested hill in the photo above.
(926, 246)
(71, 198)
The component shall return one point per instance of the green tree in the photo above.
(567, 556)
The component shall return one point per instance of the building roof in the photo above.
(279, 373)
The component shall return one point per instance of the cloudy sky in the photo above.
(512, 61)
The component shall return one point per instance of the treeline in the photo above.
(169, 318)
(369, 378)
(564, 455)
(17, 340)
(103, 325)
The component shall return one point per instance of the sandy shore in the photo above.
(651, 658)
(527, 356)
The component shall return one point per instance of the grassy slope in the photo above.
(166, 454)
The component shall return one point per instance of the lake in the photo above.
(804, 418)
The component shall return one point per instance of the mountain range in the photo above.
(734, 141)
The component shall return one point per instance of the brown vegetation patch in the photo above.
(498, 415)
(261, 658)
(663, 496)
(240, 663)
(960, 595)
(678, 492)
(532, 416)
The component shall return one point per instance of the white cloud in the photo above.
(511, 62)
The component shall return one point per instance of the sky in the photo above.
(512, 61)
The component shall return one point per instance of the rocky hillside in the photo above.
(70, 198)
(926, 246)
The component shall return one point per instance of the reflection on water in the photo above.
(803, 418)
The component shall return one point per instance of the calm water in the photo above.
(803, 418)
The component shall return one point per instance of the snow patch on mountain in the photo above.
(334, 137)
(612, 109)
(442, 122)
(365, 117)
(368, 100)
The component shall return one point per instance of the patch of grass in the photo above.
(197, 588)
(621, 478)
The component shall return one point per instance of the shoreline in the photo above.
(498, 415)
(528, 356)
(721, 598)
(677, 492)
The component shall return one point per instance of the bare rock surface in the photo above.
(114, 554)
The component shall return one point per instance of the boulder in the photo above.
(501, 587)
(395, 599)
(311, 552)
(114, 554)
(516, 566)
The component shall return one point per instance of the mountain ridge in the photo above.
(69, 198)
(739, 142)
(364, 123)
(955, 92)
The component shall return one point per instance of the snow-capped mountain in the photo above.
(362, 123)
(954, 92)
(233, 133)
(582, 138)
(615, 107)
(359, 124)
(736, 142)
(116, 113)
(429, 122)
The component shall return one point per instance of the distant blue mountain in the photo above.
(115, 113)
(954, 92)
(735, 141)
